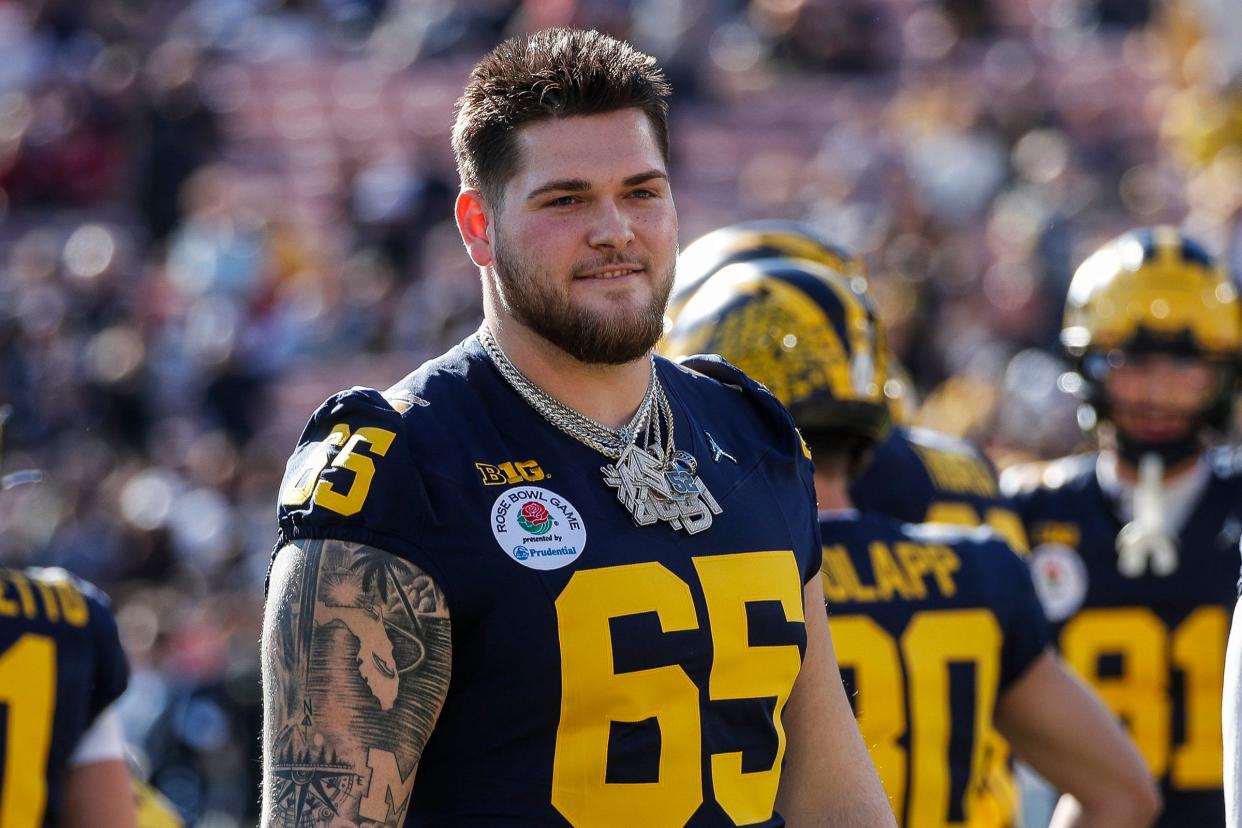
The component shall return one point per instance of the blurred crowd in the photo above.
(214, 213)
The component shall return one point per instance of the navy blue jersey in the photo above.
(1152, 646)
(918, 475)
(598, 668)
(931, 625)
(61, 664)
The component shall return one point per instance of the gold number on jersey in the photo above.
(28, 691)
(584, 610)
(932, 641)
(1139, 694)
(594, 695)
(1003, 521)
(349, 502)
(863, 646)
(740, 671)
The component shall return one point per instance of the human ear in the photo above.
(474, 225)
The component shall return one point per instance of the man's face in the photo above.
(584, 241)
(1155, 398)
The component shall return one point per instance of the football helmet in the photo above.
(1152, 290)
(785, 239)
(805, 331)
(749, 240)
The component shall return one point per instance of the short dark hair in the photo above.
(556, 73)
(840, 451)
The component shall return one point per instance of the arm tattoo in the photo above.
(356, 661)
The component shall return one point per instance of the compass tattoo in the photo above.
(356, 660)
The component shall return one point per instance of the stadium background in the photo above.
(213, 214)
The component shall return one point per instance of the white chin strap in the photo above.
(1145, 541)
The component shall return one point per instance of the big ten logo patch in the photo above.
(514, 471)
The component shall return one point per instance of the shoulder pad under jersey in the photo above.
(775, 414)
(352, 476)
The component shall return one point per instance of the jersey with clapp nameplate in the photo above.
(1152, 646)
(602, 672)
(919, 475)
(931, 625)
(61, 664)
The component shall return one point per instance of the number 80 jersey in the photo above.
(931, 625)
(1152, 646)
(603, 673)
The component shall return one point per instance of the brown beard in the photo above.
(530, 294)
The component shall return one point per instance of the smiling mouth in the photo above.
(611, 272)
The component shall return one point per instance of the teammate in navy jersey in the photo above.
(548, 579)
(1134, 549)
(61, 668)
(944, 479)
(938, 630)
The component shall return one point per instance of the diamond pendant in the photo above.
(653, 487)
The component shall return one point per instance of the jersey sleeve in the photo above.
(1025, 626)
(804, 517)
(351, 477)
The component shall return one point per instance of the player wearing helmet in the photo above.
(62, 759)
(1135, 547)
(938, 630)
(61, 668)
(945, 479)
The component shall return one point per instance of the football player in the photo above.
(1135, 547)
(944, 479)
(938, 631)
(550, 579)
(62, 761)
(62, 752)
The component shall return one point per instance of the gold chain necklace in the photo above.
(655, 481)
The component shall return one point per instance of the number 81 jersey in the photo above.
(1152, 646)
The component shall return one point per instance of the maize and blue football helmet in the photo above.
(806, 331)
(1153, 290)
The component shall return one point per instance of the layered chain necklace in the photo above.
(654, 481)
